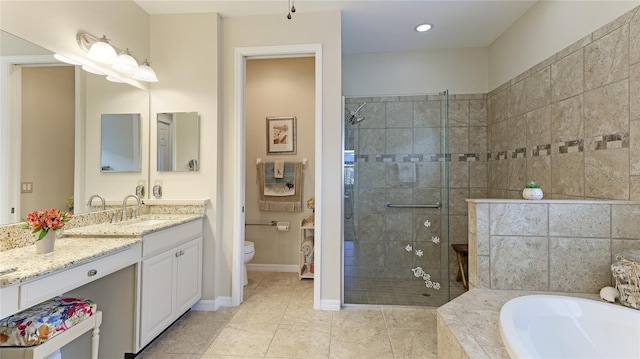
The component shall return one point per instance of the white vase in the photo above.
(45, 245)
(532, 193)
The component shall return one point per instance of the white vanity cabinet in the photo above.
(170, 278)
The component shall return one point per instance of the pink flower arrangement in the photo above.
(44, 220)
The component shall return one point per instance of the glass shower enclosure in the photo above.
(396, 200)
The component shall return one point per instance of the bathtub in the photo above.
(559, 327)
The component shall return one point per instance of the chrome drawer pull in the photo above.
(92, 272)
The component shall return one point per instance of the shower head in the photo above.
(354, 118)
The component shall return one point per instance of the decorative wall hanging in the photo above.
(281, 135)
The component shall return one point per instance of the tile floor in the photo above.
(277, 320)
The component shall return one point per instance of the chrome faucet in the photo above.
(101, 199)
(124, 205)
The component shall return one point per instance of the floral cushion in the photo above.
(44, 321)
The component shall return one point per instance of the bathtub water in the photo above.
(559, 327)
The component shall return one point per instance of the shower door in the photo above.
(396, 200)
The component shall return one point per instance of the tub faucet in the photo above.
(101, 199)
(124, 205)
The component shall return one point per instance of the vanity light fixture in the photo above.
(145, 73)
(92, 70)
(114, 79)
(65, 59)
(125, 63)
(99, 50)
(423, 27)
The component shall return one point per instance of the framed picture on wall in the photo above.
(281, 135)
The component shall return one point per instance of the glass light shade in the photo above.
(126, 63)
(92, 70)
(65, 59)
(145, 73)
(102, 52)
(114, 79)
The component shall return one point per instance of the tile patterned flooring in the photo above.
(277, 320)
(389, 291)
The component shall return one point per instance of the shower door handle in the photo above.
(430, 205)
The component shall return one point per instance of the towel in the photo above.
(406, 172)
(278, 169)
(307, 250)
(286, 203)
(284, 186)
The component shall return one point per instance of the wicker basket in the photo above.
(626, 273)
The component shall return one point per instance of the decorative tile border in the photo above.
(571, 146)
(441, 157)
(541, 150)
(615, 141)
(501, 155)
(417, 158)
(468, 157)
(413, 158)
(519, 153)
(386, 158)
(605, 142)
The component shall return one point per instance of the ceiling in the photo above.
(380, 26)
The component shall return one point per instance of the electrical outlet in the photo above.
(157, 188)
(140, 188)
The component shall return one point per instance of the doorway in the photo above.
(38, 114)
(273, 52)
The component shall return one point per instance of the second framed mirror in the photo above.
(178, 138)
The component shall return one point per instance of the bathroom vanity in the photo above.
(143, 273)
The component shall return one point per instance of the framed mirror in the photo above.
(26, 185)
(178, 139)
(120, 142)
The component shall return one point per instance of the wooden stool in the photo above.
(46, 327)
(462, 251)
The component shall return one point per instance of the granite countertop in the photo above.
(474, 318)
(22, 264)
(140, 226)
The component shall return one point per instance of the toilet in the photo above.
(249, 252)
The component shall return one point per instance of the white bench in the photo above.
(46, 327)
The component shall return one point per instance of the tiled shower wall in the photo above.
(399, 160)
(572, 122)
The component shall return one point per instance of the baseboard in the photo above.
(212, 305)
(272, 267)
(330, 304)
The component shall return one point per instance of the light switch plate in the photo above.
(26, 187)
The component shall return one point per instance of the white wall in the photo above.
(186, 52)
(271, 30)
(415, 72)
(548, 27)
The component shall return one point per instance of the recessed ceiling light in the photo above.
(423, 27)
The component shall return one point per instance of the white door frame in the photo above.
(11, 129)
(241, 56)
